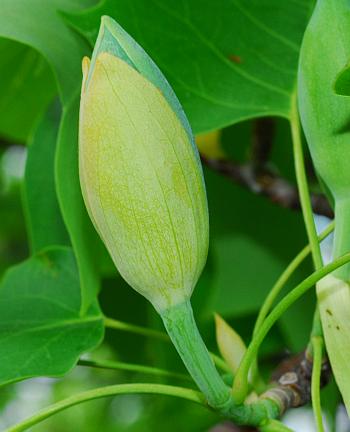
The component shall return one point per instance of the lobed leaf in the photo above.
(41, 329)
(41, 27)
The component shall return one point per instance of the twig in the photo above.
(258, 177)
(293, 380)
(268, 184)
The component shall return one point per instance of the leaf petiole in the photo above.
(240, 387)
(317, 347)
(101, 392)
(285, 276)
(135, 329)
(277, 288)
(144, 331)
(303, 186)
(130, 367)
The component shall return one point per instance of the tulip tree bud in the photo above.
(140, 172)
(143, 187)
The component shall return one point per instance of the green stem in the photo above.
(316, 329)
(304, 194)
(182, 329)
(303, 186)
(101, 392)
(143, 331)
(342, 235)
(105, 364)
(132, 328)
(240, 387)
(275, 291)
(317, 345)
(282, 280)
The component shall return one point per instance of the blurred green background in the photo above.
(229, 63)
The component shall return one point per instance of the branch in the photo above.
(258, 177)
(291, 385)
(293, 379)
(265, 182)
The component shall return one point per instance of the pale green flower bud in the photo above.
(140, 172)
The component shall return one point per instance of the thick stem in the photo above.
(182, 329)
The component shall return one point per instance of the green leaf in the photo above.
(41, 329)
(12, 229)
(44, 221)
(26, 87)
(220, 73)
(86, 243)
(40, 26)
(342, 82)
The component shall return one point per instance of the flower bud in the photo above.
(140, 172)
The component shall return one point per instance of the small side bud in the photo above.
(231, 345)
